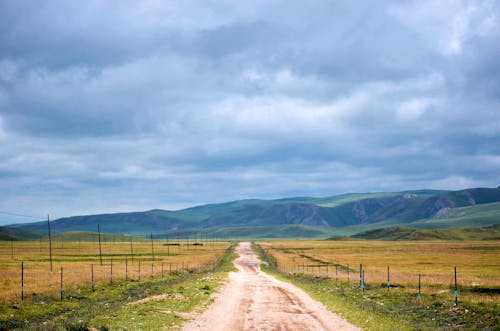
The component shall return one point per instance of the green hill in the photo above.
(405, 233)
(9, 233)
(361, 211)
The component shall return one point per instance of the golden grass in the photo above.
(478, 263)
(76, 258)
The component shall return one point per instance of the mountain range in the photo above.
(301, 216)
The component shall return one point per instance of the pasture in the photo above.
(330, 271)
(134, 259)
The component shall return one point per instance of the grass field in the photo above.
(377, 308)
(134, 260)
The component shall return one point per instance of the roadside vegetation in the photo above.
(303, 263)
(160, 300)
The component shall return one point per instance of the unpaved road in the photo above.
(254, 300)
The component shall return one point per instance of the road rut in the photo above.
(255, 300)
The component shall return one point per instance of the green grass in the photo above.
(15, 234)
(88, 236)
(479, 215)
(406, 233)
(109, 306)
(376, 308)
(265, 232)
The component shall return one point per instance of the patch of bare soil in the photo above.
(254, 300)
(161, 297)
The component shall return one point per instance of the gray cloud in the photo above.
(137, 105)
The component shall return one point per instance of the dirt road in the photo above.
(254, 300)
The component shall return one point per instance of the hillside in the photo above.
(419, 209)
(15, 234)
(404, 233)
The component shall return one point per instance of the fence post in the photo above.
(50, 242)
(456, 288)
(388, 279)
(99, 236)
(131, 250)
(139, 270)
(327, 270)
(61, 289)
(22, 281)
(162, 270)
(170, 269)
(152, 269)
(419, 296)
(92, 272)
(363, 281)
(152, 247)
(126, 269)
(348, 275)
(111, 272)
(361, 276)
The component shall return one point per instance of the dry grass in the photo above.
(76, 258)
(478, 263)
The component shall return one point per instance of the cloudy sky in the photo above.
(131, 105)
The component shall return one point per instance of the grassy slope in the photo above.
(108, 308)
(8, 233)
(344, 212)
(478, 215)
(405, 233)
(261, 232)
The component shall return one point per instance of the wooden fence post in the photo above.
(419, 296)
(92, 273)
(22, 281)
(61, 289)
(388, 279)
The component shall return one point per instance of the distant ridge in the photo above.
(491, 232)
(418, 208)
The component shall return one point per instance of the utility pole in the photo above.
(50, 242)
(99, 234)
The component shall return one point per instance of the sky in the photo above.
(114, 106)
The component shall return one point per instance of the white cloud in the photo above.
(448, 24)
(3, 134)
(413, 109)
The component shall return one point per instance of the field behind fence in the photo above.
(25, 266)
(400, 263)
